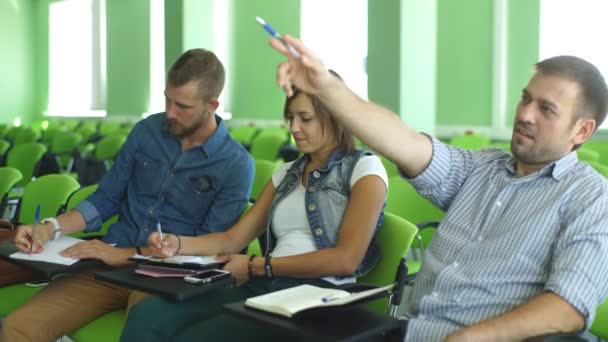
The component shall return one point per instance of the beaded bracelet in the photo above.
(250, 267)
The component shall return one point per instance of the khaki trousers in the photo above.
(66, 304)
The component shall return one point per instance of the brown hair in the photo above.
(346, 140)
(199, 65)
(593, 99)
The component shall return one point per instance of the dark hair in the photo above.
(198, 65)
(593, 99)
(346, 140)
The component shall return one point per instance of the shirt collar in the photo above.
(215, 141)
(557, 169)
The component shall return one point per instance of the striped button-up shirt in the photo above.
(506, 239)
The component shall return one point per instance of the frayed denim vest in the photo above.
(326, 199)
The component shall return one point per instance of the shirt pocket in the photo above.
(195, 195)
(148, 174)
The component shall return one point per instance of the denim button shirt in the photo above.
(327, 196)
(198, 191)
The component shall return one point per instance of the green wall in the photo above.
(254, 93)
(462, 72)
(17, 60)
(128, 57)
(464, 62)
(384, 53)
(397, 78)
(522, 47)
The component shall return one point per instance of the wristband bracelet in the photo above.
(179, 244)
(250, 267)
(56, 227)
(268, 267)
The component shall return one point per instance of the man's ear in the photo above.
(584, 129)
(213, 104)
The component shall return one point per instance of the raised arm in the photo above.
(378, 127)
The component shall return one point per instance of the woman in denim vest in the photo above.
(321, 213)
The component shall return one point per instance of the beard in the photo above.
(530, 155)
(181, 131)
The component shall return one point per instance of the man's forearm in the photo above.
(71, 222)
(379, 128)
(544, 314)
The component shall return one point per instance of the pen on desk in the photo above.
(328, 299)
(36, 219)
(275, 34)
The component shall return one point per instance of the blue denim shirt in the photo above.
(198, 191)
(326, 199)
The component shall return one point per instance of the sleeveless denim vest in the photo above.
(326, 199)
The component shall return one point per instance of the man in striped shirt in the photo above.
(522, 249)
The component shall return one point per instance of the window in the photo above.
(76, 58)
(575, 28)
(157, 57)
(341, 42)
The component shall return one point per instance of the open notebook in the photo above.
(50, 252)
(294, 300)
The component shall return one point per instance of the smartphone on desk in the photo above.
(207, 276)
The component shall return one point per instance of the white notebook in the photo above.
(290, 301)
(50, 252)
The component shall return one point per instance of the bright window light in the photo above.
(575, 28)
(340, 42)
(157, 56)
(72, 52)
(221, 39)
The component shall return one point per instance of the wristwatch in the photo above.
(56, 227)
(267, 267)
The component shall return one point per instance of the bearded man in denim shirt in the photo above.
(180, 168)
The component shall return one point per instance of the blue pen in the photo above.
(160, 232)
(275, 34)
(328, 299)
(36, 219)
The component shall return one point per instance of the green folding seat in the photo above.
(107, 127)
(25, 158)
(263, 173)
(9, 176)
(4, 147)
(63, 147)
(266, 146)
(108, 147)
(471, 141)
(586, 154)
(243, 134)
(51, 193)
(394, 239)
(599, 327)
(25, 136)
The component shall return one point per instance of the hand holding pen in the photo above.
(160, 234)
(163, 247)
(33, 237)
(302, 68)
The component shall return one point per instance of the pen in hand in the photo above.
(160, 234)
(276, 35)
(36, 219)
